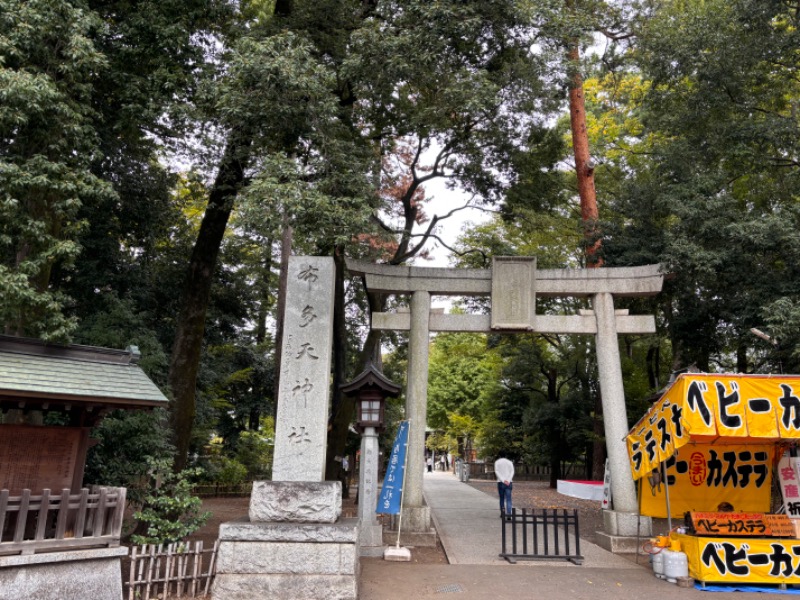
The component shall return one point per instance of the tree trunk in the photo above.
(264, 296)
(596, 457)
(653, 367)
(599, 444)
(342, 407)
(286, 252)
(554, 435)
(741, 358)
(187, 347)
(584, 167)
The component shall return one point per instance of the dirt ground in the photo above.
(527, 494)
(231, 509)
(538, 494)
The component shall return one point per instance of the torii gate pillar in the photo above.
(615, 416)
(417, 516)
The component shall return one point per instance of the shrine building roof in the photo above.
(41, 373)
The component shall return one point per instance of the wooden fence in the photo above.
(46, 522)
(526, 472)
(174, 569)
(218, 490)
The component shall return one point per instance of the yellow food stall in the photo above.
(705, 453)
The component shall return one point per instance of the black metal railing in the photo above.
(541, 534)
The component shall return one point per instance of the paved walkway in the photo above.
(463, 514)
(469, 526)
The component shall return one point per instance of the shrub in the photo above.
(170, 512)
(225, 471)
(254, 450)
(128, 442)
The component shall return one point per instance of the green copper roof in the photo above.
(33, 369)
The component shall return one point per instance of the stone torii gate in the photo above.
(513, 284)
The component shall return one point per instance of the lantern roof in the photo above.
(371, 377)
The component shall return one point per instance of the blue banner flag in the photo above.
(392, 491)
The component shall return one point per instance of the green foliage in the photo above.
(712, 192)
(236, 399)
(493, 438)
(254, 450)
(783, 319)
(114, 323)
(465, 82)
(241, 456)
(460, 374)
(128, 443)
(441, 442)
(223, 470)
(464, 429)
(48, 63)
(170, 513)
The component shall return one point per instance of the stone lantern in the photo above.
(371, 388)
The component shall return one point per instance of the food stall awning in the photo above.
(715, 409)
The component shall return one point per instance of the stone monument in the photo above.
(294, 544)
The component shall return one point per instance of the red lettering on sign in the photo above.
(697, 469)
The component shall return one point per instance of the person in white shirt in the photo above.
(504, 471)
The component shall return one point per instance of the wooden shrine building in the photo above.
(53, 529)
(81, 384)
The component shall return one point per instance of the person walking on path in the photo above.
(504, 471)
(429, 462)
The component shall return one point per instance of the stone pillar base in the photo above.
(628, 524)
(370, 540)
(620, 544)
(415, 528)
(296, 501)
(624, 532)
(92, 574)
(415, 518)
(287, 561)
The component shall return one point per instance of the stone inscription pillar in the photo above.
(302, 419)
(295, 544)
(615, 416)
(416, 517)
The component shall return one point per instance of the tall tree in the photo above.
(714, 198)
(452, 101)
(93, 90)
(48, 65)
(278, 74)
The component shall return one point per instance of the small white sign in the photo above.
(606, 502)
(790, 485)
